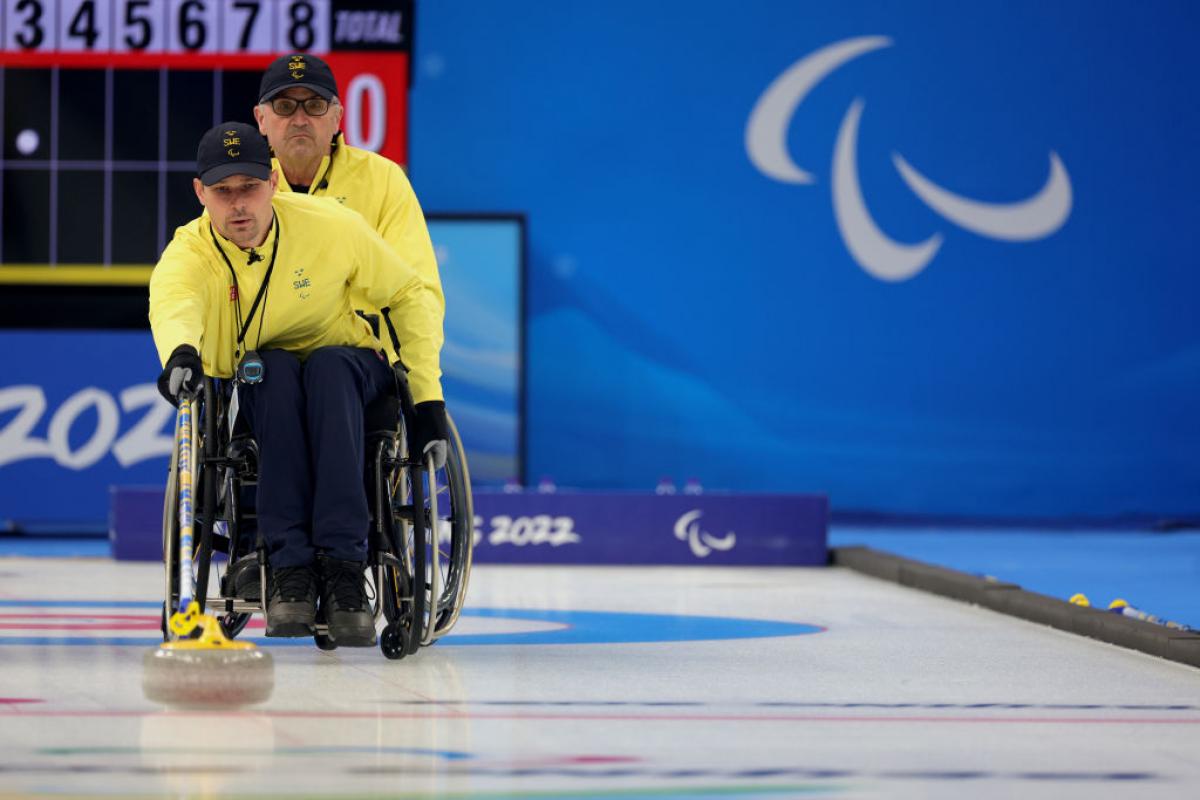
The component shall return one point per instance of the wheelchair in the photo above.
(419, 545)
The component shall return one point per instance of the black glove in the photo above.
(183, 372)
(431, 436)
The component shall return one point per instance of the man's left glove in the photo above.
(183, 372)
(432, 434)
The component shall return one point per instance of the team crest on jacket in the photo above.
(301, 284)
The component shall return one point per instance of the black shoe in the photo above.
(344, 603)
(292, 609)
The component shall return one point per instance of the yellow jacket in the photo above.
(377, 189)
(325, 254)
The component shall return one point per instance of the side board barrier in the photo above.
(583, 528)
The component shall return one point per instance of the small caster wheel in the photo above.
(391, 642)
(324, 640)
(233, 624)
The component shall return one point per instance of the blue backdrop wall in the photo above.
(929, 257)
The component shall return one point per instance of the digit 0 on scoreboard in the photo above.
(104, 101)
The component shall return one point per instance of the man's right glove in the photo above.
(432, 434)
(183, 371)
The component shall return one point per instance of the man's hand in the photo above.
(432, 434)
(183, 372)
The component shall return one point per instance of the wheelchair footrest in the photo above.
(220, 543)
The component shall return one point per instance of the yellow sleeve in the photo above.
(387, 280)
(179, 300)
(402, 225)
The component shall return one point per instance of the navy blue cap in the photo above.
(232, 148)
(297, 69)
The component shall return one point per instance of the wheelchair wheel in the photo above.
(437, 542)
(394, 586)
(398, 571)
(391, 642)
(233, 622)
(402, 595)
(206, 512)
(170, 524)
(416, 546)
(323, 640)
(455, 525)
(239, 465)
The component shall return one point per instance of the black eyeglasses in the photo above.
(315, 106)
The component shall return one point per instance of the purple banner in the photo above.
(585, 528)
(640, 528)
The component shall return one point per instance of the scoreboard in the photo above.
(195, 26)
(102, 103)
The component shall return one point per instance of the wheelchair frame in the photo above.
(419, 546)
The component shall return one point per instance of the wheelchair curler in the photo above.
(419, 545)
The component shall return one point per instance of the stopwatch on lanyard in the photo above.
(250, 368)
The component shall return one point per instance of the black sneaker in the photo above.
(344, 603)
(292, 609)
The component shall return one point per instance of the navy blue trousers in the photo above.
(308, 422)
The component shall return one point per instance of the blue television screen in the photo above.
(481, 264)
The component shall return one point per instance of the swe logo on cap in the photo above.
(231, 141)
(297, 66)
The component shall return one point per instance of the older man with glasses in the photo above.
(299, 113)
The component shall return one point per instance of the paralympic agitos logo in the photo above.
(879, 255)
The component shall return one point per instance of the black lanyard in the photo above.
(262, 290)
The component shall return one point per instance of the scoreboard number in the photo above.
(365, 97)
(139, 26)
(27, 23)
(367, 43)
(167, 26)
(249, 10)
(104, 101)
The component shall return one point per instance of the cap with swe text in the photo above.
(232, 148)
(298, 69)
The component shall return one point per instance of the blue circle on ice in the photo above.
(609, 627)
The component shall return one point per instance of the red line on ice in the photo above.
(60, 615)
(628, 717)
(62, 626)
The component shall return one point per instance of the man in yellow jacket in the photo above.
(300, 114)
(259, 286)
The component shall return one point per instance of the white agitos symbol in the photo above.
(881, 256)
(701, 542)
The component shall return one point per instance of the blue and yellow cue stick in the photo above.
(187, 618)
